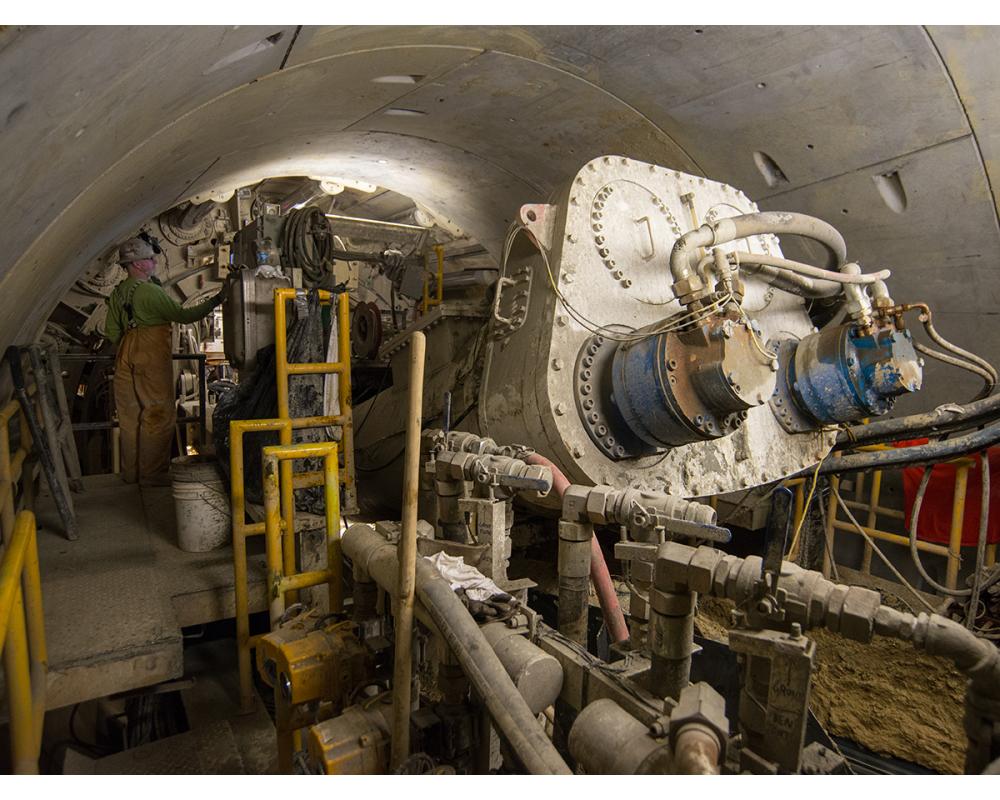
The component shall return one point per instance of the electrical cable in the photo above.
(918, 501)
(805, 512)
(984, 515)
(307, 242)
(878, 551)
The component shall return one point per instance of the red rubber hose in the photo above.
(614, 620)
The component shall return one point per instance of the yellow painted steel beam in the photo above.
(17, 673)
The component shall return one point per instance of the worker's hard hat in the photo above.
(135, 250)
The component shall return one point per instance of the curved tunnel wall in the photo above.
(103, 128)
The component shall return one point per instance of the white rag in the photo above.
(461, 576)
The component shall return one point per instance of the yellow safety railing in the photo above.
(241, 530)
(11, 464)
(341, 367)
(282, 581)
(873, 508)
(22, 638)
(429, 302)
(289, 480)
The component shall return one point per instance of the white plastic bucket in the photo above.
(201, 503)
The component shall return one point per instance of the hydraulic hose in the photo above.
(927, 319)
(791, 282)
(944, 418)
(984, 516)
(374, 556)
(825, 277)
(912, 456)
(600, 577)
(918, 502)
(989, 381)
(780, 223)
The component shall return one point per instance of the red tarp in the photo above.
(936, 510)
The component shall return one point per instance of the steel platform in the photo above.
(116, 599)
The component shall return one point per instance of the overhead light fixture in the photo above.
(381, 161)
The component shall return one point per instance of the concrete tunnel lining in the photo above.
(275, 126)
(503, 115)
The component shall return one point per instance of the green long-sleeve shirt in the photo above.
(150, 306)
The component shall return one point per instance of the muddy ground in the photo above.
(883, 695)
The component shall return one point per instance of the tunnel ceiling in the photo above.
(473, 122)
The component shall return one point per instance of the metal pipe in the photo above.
(671, 638)
(375, 557)
(537, 674)
(406, 579)
(733, 228)
(607, 740)
(696, 751)
(614, 619)
(957, 523)
(575, 540)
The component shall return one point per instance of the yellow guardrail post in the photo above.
(341, 367)
(22, 638)
(241, 530)
(280, 580)
(957, 522)
(428, 302)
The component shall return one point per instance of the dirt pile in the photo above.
(883, 695)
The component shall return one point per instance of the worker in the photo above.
(138, 321)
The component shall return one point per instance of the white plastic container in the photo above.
(201, 502)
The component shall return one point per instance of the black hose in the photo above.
(912, 456)
(943, 418)
(307, 242)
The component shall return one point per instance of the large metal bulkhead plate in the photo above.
(610, 234)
